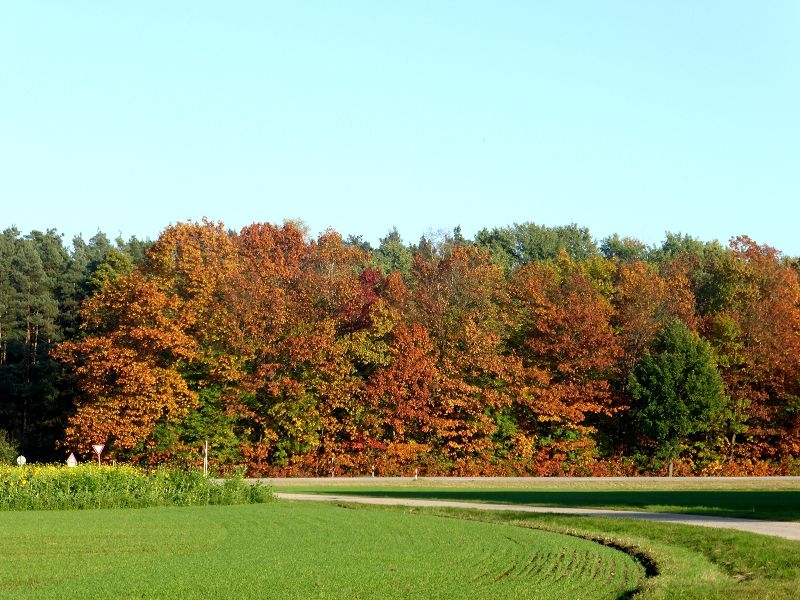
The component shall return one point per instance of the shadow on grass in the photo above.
(778, 505)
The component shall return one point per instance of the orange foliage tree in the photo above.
(458, 298)
(304, 315)
(753, 322)
(128, 368)
(298, 355)
(565, 353)
(644, 301)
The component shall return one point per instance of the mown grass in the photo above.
(53, 487)
(691, 562)
(297, 550)
(777, 504)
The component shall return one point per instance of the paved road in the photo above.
(788, 530)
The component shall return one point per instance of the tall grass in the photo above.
(52, 487)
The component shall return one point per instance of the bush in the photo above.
(8, 449)
(53, 487)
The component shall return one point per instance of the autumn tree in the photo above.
(153, 346)
(565, 351)
(458, 299)
(411, 417)
(128, 368)
(645, 299)
(752, 320)
(195, 264)
(305, 323)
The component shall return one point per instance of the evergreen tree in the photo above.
(678, 394)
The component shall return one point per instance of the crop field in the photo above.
(689, 562)
(342, 550)
(296, 550)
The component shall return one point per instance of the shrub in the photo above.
(8, 449)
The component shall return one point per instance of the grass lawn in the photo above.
(691, 562)
(777, 499)
(296, 550)
(320, 550)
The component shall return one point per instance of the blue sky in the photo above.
(630, 117)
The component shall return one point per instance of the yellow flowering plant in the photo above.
(56, 487)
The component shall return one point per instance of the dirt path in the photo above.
(788, 530)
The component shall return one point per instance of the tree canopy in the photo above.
(527, 350)
(678, 394)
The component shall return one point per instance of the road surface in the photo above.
(788, 530)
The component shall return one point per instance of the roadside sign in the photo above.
(71, 460)
(98, 449)
(21, 460)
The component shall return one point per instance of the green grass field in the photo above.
(777, 500)
(321, 550)
(692, 562)
(296, 550)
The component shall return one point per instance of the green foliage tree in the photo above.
(520, 244)
(134, 248)
(358, 241)
(114, 264)
(392, 254)
(623, 249)
(678, 394)
(29, 397)
(676, 245)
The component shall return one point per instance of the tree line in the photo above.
(526, 350)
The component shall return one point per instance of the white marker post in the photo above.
(98, 449)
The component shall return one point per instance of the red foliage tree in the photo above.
(755, 329)
(565, 352)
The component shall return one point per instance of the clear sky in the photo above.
(625, 117)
